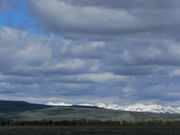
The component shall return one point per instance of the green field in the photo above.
(90, 130)
(77, 113)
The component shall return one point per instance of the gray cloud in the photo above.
(6, 4)
(33, 63)
(55, 67)
(128, 4)
(97, 19)
(110, 51)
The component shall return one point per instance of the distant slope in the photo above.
(69, 113)
(19, 106)
(26, 111)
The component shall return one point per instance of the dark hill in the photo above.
(19, 106)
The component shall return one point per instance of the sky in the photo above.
(90, 51)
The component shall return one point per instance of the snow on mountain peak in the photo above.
(142, 108)
(139, 107)
(58, 104)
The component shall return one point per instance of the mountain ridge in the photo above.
(16, 110)
(153, 108)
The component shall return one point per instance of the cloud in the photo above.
(175, 73)
(49, 66)
(66, 18)
(104, 19)
(102, 77)
(6, 4)
(128, 4)
(32, 63)
(93, 51)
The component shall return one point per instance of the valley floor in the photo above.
(90, 130)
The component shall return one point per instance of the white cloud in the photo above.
(101, 77)
(34, 53)
(72, 64)
(175, 73)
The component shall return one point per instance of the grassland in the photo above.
(90, 130)
(78, 113)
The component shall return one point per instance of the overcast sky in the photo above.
(90, 51)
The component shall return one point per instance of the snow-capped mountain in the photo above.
(135, 107)
(142, 108)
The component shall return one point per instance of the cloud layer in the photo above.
(94, 51)
(102, 19)
(54, 67)
(6, 4)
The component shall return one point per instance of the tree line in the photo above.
(90, 123)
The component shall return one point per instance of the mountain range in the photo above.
(154, 108)
(17, 110)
